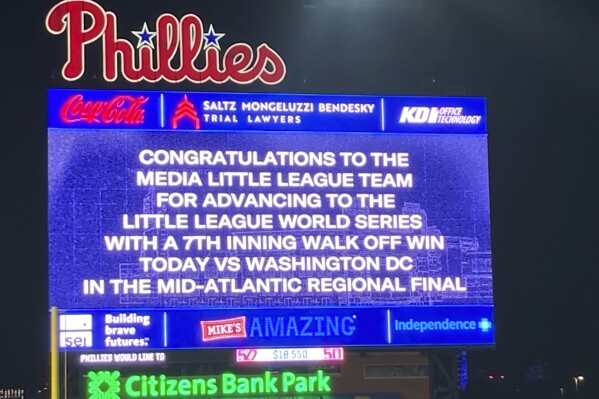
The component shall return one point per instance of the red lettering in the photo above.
(213, 70)
(237, 63)
(115, 49)
(120, 109)
(152, 62)
(192, 40)
(167, 39)
(267, 56)
(70, 15)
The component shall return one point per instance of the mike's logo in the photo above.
(221, 329)
(151, 55)
(120, 109)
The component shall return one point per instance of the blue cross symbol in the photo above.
(484, 325)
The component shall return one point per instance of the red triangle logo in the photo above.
(185, 109)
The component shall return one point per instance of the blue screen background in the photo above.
(92, 184)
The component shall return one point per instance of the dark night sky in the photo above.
(537, 62)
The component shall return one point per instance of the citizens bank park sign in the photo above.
(185, 42)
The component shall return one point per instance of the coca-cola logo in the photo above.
(120, 109)
(171, 52)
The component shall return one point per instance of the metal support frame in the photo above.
(54, 371)
(443, 374)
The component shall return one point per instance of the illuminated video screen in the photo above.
(214, 220)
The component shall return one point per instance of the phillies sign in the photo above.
(184, 42)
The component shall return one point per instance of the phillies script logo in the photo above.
(120, 109)
(221, 329)
(183, 42)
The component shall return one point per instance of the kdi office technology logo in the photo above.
(437, 115)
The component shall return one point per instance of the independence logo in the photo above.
(484, 325)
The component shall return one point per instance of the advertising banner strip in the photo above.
(276, 328)
(117, 384)
(278, 355)
(189, 111)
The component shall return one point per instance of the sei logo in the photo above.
(74, 339)
(75, 331)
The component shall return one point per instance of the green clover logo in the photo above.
(104, 385)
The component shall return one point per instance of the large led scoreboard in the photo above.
(225, 220)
